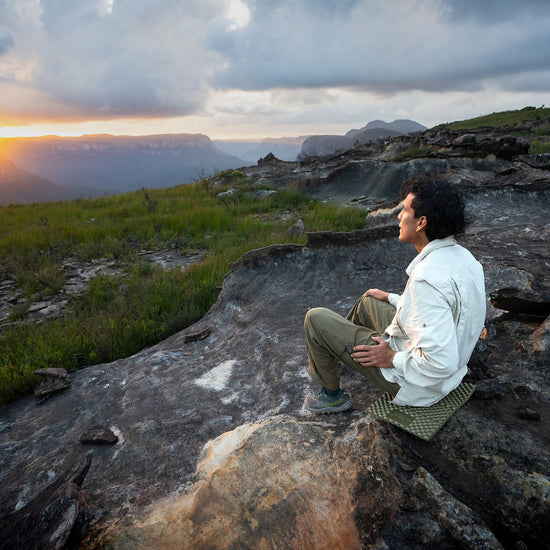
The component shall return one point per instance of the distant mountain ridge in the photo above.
(64, 168)
(315, 146)
(285, 148)
(402, 126)
(97, 165)
(289, 148)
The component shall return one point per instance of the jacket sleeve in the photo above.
(425, 319)
(393, 299)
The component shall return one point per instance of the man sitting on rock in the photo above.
(414, 346)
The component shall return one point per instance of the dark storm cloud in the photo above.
(385, 47)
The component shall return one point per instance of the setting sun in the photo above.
(35, 130)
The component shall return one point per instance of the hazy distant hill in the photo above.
(19, 186)
(377, 129)
(286, 148)
(403, 126)
(106, 164)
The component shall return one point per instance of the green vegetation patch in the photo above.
(504, 118)
(539, 147)
(420, 151)
(121, 314)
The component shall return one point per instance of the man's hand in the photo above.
(379, 355)
(377, 294)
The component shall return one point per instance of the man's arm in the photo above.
(382, 295)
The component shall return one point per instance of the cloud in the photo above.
(108, 59)
(290, 59)
(135, 59)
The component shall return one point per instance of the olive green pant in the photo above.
(331, 338)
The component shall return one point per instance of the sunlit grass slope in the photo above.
(119, 315)
(538, 139)
(503, 118)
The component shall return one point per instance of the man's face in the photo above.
(408, 223)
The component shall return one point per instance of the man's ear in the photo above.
(422, 223)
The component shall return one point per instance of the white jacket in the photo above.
(439, 319)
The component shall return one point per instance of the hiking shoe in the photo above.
(323, 403)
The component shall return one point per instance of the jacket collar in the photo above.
(430, 247)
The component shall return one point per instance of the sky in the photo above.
(247, 69)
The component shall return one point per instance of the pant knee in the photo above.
(366, 301)
(313, 316)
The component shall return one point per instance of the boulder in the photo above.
(291, 483)
(296, 230)
(465, 139)
(99, 435)
(251, 481)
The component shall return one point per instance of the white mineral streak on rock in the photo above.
(217, 378)
(217, 451)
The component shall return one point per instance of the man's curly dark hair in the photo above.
(441, 203)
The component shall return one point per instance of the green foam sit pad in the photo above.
(424, 422)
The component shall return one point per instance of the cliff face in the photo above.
(215, 449)
(316, 146)
(374, 131)
(98, 165)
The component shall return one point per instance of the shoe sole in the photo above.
(326, 410)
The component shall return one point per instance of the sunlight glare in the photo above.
(238, 13)
(106, 7)
(19, 131)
